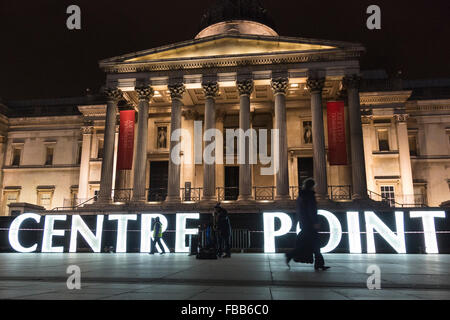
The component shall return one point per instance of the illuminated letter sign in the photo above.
(94, 241)
(50, 232)
(180, 238)
(335, 231)
(429, 228)
(147, 233)
(269, 229)
(14, 232)
(354, 232)
(122, 226)
(396, 241)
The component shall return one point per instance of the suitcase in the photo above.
(207, 254)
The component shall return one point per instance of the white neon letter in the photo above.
(50, 232)
(14, 232)
(354, 232)
(429, 228)
(335, 231)
(94, 241)
(269, 229)
(122, 226)
(147, 234)
(182, 232)
(396, 241)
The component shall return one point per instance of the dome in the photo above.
(236, 17)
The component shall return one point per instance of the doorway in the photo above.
(231, 183)
(305, 170)
(159, 175)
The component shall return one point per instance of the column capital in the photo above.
(211, 89)
(351, 82)
(315, 85)
(113, 94)
(279, 85)
(87, 129)
(245, 87)
(177, 90)
(401, 117)
(145, 92)
(190, 114)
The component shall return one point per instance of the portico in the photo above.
(212, 75)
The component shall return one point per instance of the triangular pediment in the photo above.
(228, 47)
(227, 50)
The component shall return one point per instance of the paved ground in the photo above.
(243, 277)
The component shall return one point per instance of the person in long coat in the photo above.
(307, 241)
(224, 233)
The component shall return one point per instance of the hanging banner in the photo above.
(337, 147)
(126, 140)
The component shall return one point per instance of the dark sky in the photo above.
(40, 58)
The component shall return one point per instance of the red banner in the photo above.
(337, 146)
(126, 140)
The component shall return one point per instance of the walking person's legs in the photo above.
(158, 241)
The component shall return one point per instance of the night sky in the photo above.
(41, 58)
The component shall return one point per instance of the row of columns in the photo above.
(245, 87)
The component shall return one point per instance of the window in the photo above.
(45, 198)
(412, 139)
(49, 156)
(388, 194)
(17, 153)
(100, 149)
(383, 140)
(9, 197)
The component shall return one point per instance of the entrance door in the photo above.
(305, 170)
(159, 175)
(231, 183)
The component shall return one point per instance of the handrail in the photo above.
(74, 207)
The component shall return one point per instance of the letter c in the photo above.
(14, 232)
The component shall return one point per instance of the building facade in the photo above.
(235, 74)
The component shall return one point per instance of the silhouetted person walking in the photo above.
(224, 232)
(307, 242)
(157, 235)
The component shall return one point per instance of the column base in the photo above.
(245, 198)
(283, 197)
(173, 199)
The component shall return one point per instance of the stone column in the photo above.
(173, 192)
(220, 168)
(279, 87)
(315, 86)
(351, 83)
(245, 88)
(211, 90)
(145, 93)
(83, 183)
(113, 96)
(367, 126)
(405, 159)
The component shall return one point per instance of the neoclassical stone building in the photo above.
(236, 73)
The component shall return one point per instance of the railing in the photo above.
(191, 194)
(227, 194)
(240, 239)
(294, 191)
(156, 194)
(417, 200)
(340, 193)
(122, 195)
(77, 206)
(264, 193)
